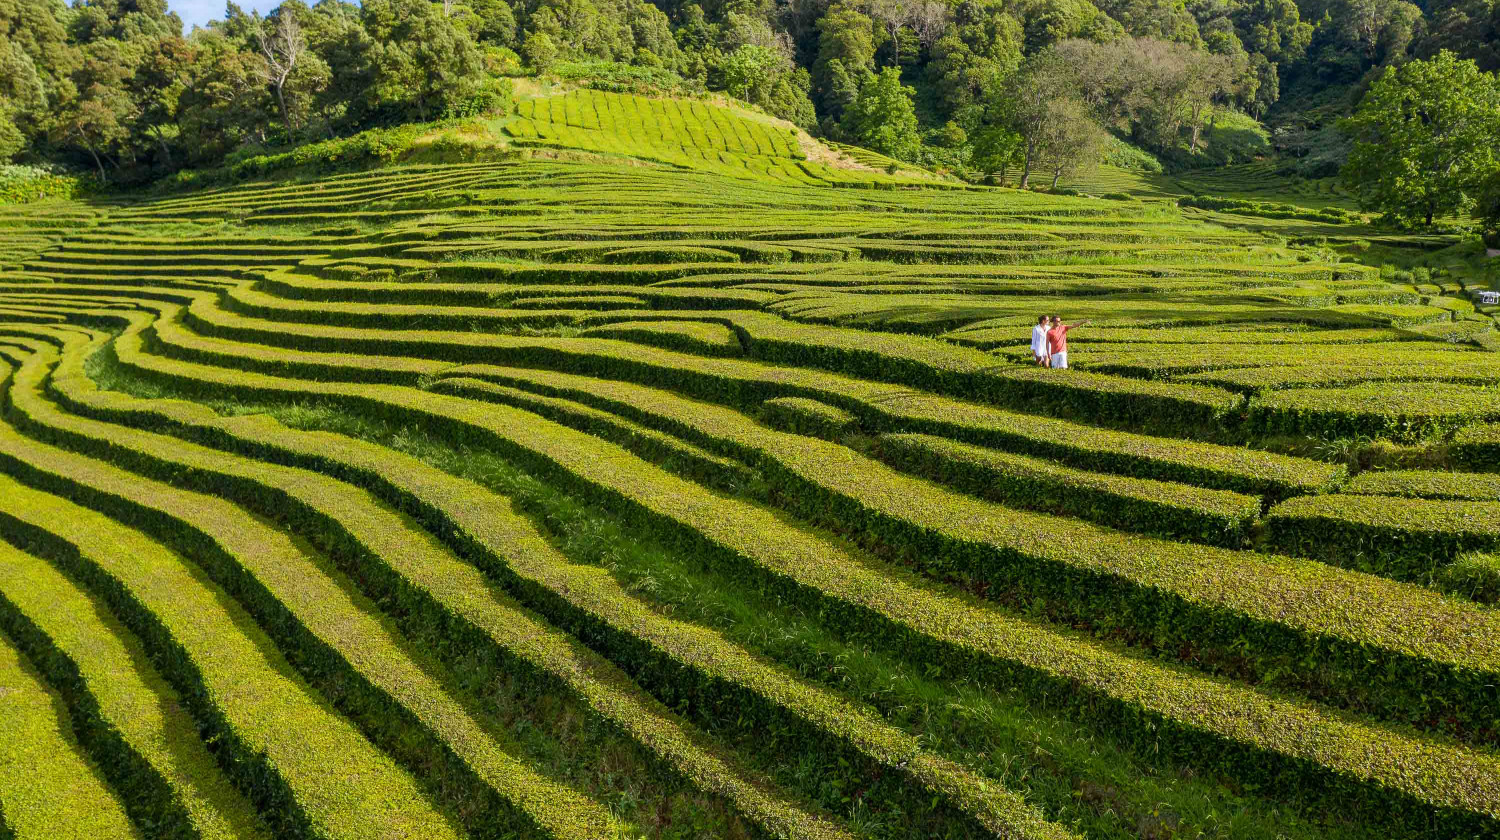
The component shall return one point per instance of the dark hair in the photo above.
(1041, 319)
(1057, 318)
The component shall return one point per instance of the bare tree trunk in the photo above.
(281, 48)
(1056, 176)
(166, 152)
(1026, 165)
(103, 176)
(285, 116)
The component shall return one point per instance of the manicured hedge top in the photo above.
(1427, 484)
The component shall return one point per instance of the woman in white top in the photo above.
(1039, 342)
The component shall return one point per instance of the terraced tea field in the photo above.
(550, 498)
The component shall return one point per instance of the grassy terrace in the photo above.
(678, 476)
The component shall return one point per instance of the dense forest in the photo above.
(117, 87)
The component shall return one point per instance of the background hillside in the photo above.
(115, 86)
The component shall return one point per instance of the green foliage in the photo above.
(1426, 139)
(808, 417)
(1488, 209)
(1270, 210)
(881, 117)
(377, 145)
(424, 63)
(1176, 511)
(1408, 539)
(22, 184)
(48, 786)
(540, 53)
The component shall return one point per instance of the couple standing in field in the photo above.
(1049, 341)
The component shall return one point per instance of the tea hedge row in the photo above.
(727, 672)
(309, 772)
(47, 788)
(133, 724)
(734, 537)
(880, 407)
(1410, 539)
(1174, 511)
(332, 634)
(1277, 605)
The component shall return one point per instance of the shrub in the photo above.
(24, 184)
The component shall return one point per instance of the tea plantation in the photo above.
(675, 476)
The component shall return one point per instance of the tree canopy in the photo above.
(118, 87)
(1425, 139)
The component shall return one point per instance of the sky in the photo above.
(199, 12)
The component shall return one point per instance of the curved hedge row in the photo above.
(326, 630)
(818, 552)
(727, 535)
(130, 720)
(47, 789)
(656, 649)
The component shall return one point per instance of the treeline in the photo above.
(983, 84)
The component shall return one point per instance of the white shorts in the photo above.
(1060, 360)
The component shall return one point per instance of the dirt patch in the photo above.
(819, 153)
(1492, 252)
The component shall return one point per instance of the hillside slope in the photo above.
(689, 497)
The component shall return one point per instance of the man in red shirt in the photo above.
(1057, 342)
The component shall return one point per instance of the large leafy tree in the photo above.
(225, 103)
(846, 55)
(763, 76)
(882, 118)
(424, 63)
(1427, 135)
(1470, 28)
(1489, 209)
(157, 86)
(978, 51)
(96, 119)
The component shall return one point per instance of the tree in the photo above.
(748, 68)
(488, 21)
(23, 97)
(846, 54)
(1470, 28)
(882, 117)
(282, 48)
(1071, 141)
(1427, 136)
(1489, 210)
(1029, 107)
(341, 43)
(223, 103)
(423, 61)
(156, 89)
(582, 28)
(539, 52)
(1274, 29)
(995, 149)
(97, 119)
(981, 48)
(1379, 31)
